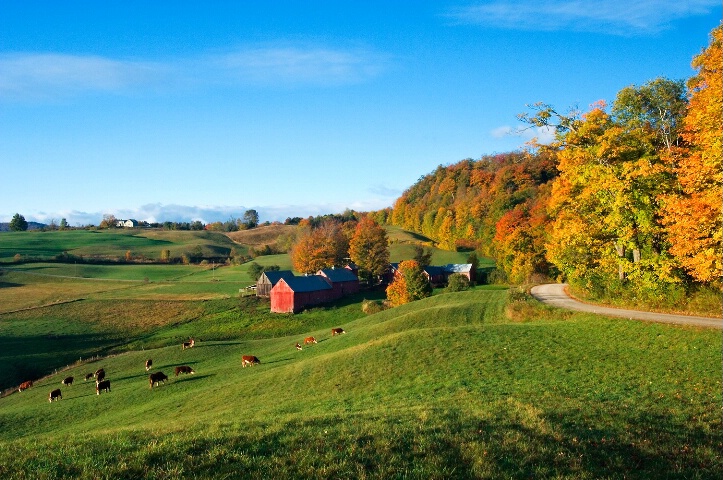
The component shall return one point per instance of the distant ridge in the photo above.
(5, 226)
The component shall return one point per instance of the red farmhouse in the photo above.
(291, 295)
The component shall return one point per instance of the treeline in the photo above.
(626, 201)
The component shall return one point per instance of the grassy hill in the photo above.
(464, 385)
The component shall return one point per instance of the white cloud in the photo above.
(43, 76)
(291, 64)
(617, 17)
(48, 75)
(543, 135)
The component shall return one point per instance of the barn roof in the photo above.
(275, 275)
(338, 274)
(458, 267)
(310, 283)
(433, 270)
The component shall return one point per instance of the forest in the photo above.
(624, 203)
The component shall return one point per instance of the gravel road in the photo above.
(554, 294)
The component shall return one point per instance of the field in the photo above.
(476, 384)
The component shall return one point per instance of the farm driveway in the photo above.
(554, 294)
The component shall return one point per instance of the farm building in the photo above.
(461, 268)
(343, 281)
(291, 295)
(435, 275)
(267, 280)
(130, 223)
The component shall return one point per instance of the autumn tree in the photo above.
(409, 284)
(109, 221)
(692, 213)
(369, 248)
(325, 246)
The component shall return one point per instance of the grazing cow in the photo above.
(249, 360)
(88, 376)
(149, 364)
(55, 395)
(309, 340)
(157, 378)
(188, 344)
(99, 375)
(184, 369)
(104, 385)
(337, 331)
(25, 385)
(298, 347)
(67, 381)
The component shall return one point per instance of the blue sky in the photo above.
(180, 110)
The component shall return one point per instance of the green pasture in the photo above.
(464, 385)
(114, 243)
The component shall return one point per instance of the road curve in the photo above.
(554, 294)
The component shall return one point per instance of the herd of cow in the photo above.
(155, 378)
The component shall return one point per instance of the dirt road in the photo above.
(554, 294)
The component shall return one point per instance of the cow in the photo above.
(102, 385)
(309, 340)
(298, 347)
(25, 385)
(249, 360)
(55, 395)
(157, 378)
(99, 375)
(337, 331)
(149, 364)
(188, 344)
(88, 376)
(67, 381)
(184, 369)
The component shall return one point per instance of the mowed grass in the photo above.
(446, 387)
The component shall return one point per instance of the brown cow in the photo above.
(337, 331)
(298, 347)
(184, 369)
(104, 385)
(55, 395)
(309, 340)
(99, 375)
(157, 378)
(188, 344)
(67, 381)
(88, 376)
(149, 364)
(25, 385)
(249, 360)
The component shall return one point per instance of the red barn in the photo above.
(343, 281)
(291, 295)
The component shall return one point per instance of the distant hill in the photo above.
(5, 226)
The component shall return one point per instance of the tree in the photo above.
(409, 284)
(422, 256)
(63, 224)
(251, 218)
(457, 283)
(692, 214)
(109, 221)
(369, 248)
(18, 223)
(323, 247)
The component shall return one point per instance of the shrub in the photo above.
(457, 283)
(374, 306)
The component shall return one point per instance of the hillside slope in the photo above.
(447, 387)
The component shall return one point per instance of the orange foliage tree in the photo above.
(323, 247)
(369, 248)
(409, 284)
(692, 215)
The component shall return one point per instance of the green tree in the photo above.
(63, 224)
(457, 283)
(18, 223)
(422, 256)
(251, 218)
